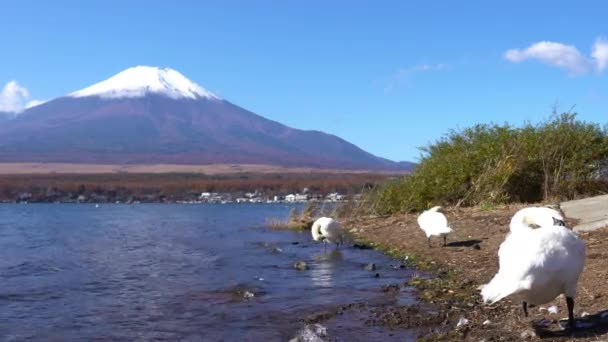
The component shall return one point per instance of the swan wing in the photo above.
(548, 259)
(433, 223)
(332, 231)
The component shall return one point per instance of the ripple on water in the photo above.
(205, 272)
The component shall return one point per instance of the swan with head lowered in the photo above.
(327, 230)
(434, 223)
(537, 265)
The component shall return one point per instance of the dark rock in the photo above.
(377, 275)
(362, 246)
(476, 246)
(295, 243)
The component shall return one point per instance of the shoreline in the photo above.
(470, 260)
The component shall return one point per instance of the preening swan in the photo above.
(327, 230)
(434, 223)
(537, 265)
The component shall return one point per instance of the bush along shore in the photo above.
(481, 176)
(484, 165)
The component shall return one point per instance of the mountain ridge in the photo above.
(169, 123)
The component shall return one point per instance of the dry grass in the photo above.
(297, 220)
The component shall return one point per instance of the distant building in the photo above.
(301, 197)
(290, 198)
(252, 194)
(333, 197)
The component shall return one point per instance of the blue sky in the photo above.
(388, 76)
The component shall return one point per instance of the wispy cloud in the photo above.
(404, 75)
(15, 98)
(563, 56)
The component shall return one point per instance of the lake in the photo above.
(204, 272)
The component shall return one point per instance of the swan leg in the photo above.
(525, 306)
(570, 303)
(444, 241)
(429, 239)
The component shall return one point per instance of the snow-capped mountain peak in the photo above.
(141, 80)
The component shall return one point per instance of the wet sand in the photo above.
(471, 259)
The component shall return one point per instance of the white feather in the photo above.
(327, 229)
(537, 265)
(434, 223)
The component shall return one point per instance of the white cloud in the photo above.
(557, 54)
(15, 98)
(600, 53)
(403, 75)
(563, 56)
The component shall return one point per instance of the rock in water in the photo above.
(300, 265)
(311, 333)
(370, 267)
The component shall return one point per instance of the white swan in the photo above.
(537, 265)
(434, 223)
(327, 230)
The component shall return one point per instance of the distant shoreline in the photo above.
(208, 169)
(184, 187)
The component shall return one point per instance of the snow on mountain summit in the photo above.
(141, 80)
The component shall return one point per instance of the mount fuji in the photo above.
(150, 115)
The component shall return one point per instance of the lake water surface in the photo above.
(207, 272)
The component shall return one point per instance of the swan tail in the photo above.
(445, 230)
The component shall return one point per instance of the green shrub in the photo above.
(490, 164)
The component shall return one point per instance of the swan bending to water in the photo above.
(434, 223)
(327, 230)
(537, 265)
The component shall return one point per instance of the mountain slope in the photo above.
(161, 117)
